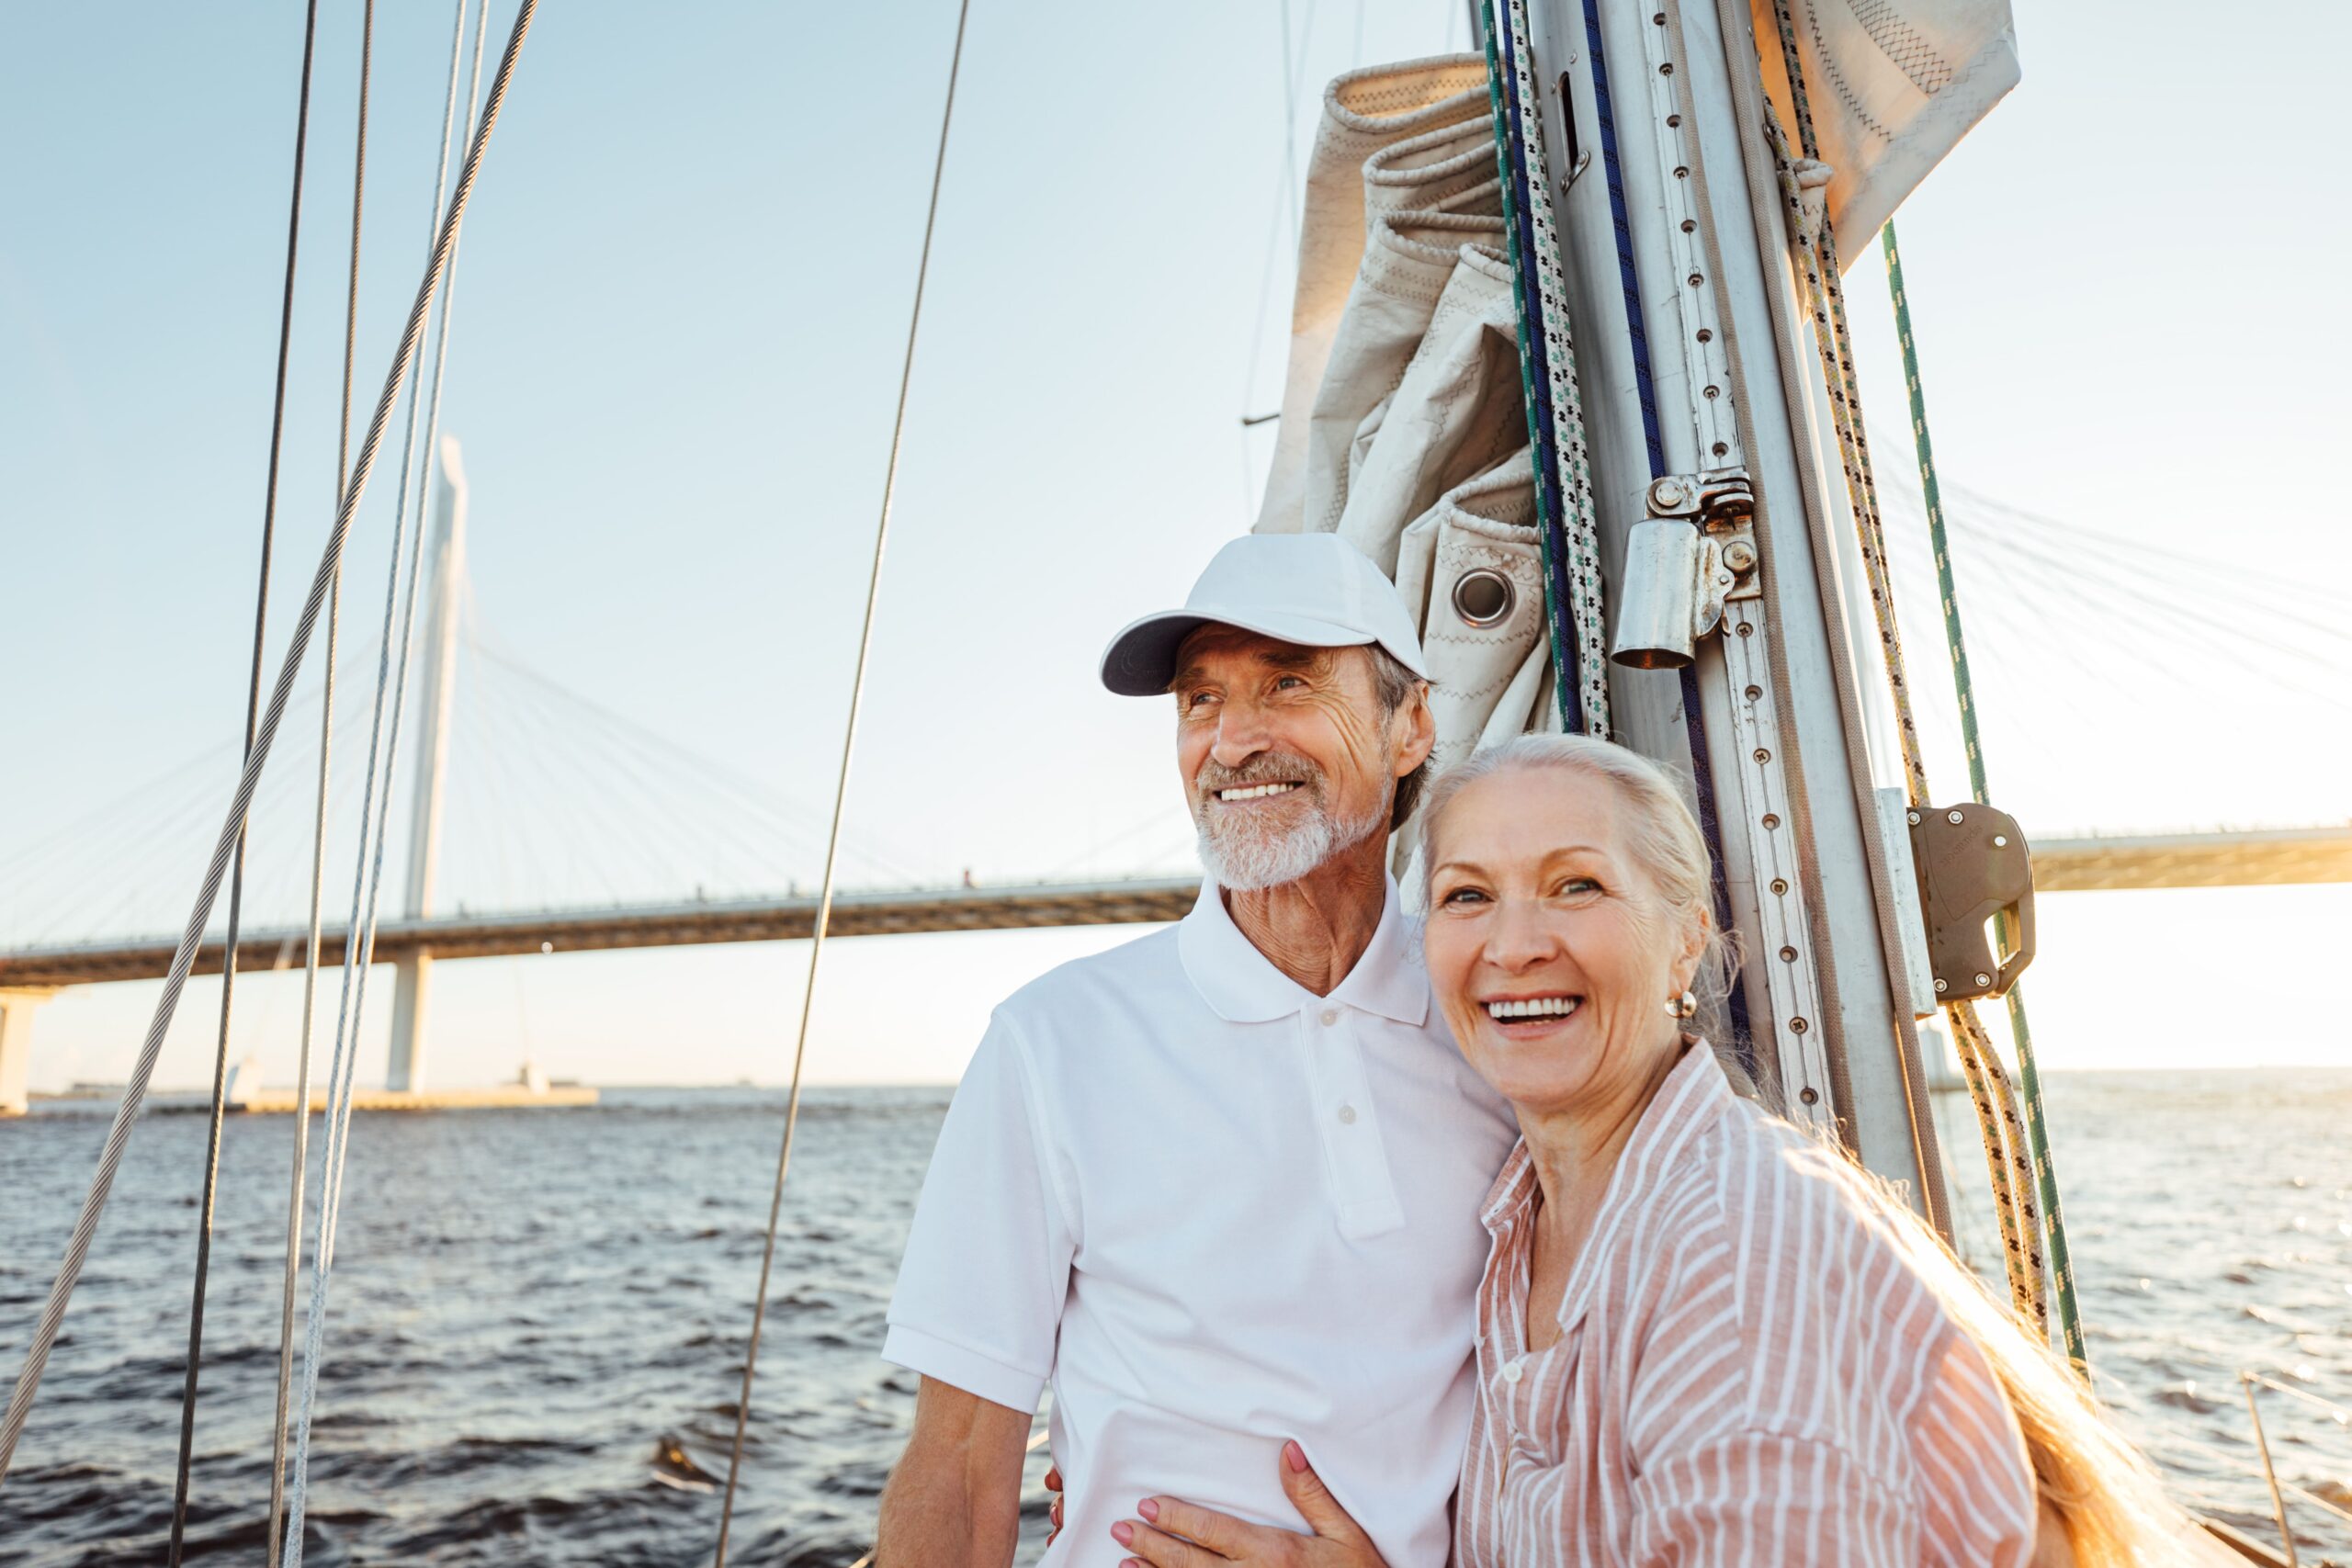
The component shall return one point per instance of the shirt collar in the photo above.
(1694, 1095)
(1241, 986)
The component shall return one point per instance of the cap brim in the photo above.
(1141, 661)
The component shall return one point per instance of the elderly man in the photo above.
(1219, 1186)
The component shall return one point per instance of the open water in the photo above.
(538, 1319)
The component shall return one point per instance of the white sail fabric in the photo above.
(1894, 85)
(1364, 113)
(1458, 411)
(1483, 672)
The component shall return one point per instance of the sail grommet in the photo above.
(1484, 597)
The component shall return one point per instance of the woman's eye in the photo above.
(1464, 895)
(1577, 887)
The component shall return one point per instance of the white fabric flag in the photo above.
(1894, 85)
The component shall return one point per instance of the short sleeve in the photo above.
(1976, 1479)
(980, 1295)
(1750, 1497)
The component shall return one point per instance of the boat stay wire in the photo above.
(301, 1160)
(237, 874)
(52, 1316)
(841, 787)
(368, 879)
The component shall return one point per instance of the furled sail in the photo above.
(1403, 426)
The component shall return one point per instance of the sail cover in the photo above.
(1894, 85)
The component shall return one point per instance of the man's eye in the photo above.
(1287, 682)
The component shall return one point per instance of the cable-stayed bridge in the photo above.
(540, 820)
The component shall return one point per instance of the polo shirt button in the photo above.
(1330, 1015)
(1347, 1115)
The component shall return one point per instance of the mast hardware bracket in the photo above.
(1694, 553)
(1973, 869)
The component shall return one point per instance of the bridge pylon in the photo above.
(17, 1005)
(413, 991)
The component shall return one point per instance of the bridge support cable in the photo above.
(237, 873)
(44, 1338)
(368, 878)
(840, 790)
(319, 821)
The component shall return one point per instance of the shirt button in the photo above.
(1331, 1017)
(1513, 1369)
(1347, 1116)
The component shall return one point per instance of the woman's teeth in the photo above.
(1255, 792)
(1534, 1007)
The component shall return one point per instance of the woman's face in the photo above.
(1550, 952)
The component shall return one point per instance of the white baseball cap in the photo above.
(1314, 590)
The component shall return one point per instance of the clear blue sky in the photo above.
(680, 306)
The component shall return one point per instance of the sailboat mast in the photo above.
(1705, 408)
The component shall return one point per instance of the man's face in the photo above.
(1285, 756)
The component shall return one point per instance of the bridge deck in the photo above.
(2060, 865)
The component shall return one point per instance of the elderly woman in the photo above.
(1703, 1338)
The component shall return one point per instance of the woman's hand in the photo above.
(1175, 1534)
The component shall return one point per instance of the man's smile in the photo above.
(1256, 792)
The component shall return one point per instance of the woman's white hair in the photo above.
(1657, 827)
(2095, 1488)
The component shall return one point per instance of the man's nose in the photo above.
(1242, 734)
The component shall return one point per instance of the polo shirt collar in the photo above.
(1241, 986)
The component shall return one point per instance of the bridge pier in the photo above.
(411, 997)
(414, 991)
(17, 1005)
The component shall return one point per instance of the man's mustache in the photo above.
(1267, 767)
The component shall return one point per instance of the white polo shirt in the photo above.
(1217, 1211)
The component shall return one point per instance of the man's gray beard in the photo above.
(1242, 862)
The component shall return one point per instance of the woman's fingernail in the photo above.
(1124, 1533)
(1149, 1510)
(1297, 1457)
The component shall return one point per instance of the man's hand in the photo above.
(1175, 1534)
(954, 1500)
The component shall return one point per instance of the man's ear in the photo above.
(1420, 729)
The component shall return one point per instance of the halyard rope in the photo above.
(180, 1474)
(318, 824)
(2062, 1266)
(44, 1338)
(1567, 516)
(369, 879)
(841, 794)
(1818, 254)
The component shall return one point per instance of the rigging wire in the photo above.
(45, 1332)
(237, 875)
(841, 789)
(360, 934)
(319, 826)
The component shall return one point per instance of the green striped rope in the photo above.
(2029, 1077)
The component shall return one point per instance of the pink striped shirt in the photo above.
(1748, 1371)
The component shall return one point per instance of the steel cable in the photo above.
(44, 1338)
(367, 880)
(180, 1475)
(293, 1269)
(840, 790)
